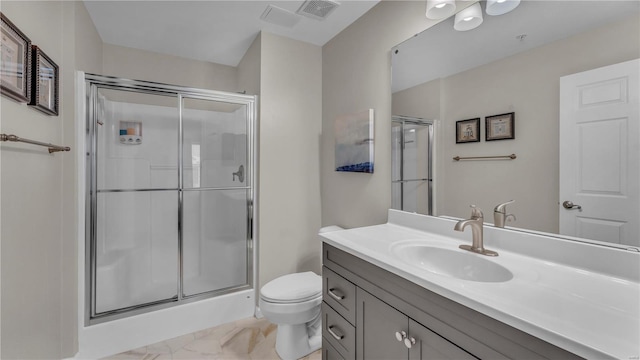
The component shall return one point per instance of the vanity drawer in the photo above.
(340, 294)
(338, 332)
(329, 352)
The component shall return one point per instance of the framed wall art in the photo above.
(354, 142)
(500, 127)
(44, 83)
(15, 69)
(468, 131)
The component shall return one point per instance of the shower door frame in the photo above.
(93, 82)
(403, 120)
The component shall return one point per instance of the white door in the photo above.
(599, 154)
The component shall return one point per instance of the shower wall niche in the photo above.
(170, 216)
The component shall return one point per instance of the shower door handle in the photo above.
(239, 174)
(250, 218)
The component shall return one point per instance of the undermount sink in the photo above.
(452, 262)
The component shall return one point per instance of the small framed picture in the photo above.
(15, 69)
(468, 131)
(44, 83)
(500, 127)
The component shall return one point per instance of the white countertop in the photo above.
(591, 314)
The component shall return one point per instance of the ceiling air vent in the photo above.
(317, 9)
(278, 16)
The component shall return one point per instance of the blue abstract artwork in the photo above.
(354, 142)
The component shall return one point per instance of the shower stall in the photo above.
(411, 164)
(169, 189)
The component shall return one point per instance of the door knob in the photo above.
(571, 206)
(401, 335)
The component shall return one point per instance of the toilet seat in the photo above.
(292, 288)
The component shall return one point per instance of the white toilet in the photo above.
(293, 303)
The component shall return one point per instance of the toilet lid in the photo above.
(293, 287)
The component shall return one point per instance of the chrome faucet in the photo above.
(500, 216)
(476, 222)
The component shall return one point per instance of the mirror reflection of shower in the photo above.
(411, 164)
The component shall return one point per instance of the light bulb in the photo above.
(440, 9)
(469, 18)
(500, 7)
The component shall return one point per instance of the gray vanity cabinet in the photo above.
(377, 326)
(371, 313)
(338, 316)
(389, 334)
(429, 345)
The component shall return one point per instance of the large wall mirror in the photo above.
(515, 63)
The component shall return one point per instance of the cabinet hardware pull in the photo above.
(401, 335)
(332, 332)
(335, 295)
(408, 342)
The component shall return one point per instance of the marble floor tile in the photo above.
(251, 339)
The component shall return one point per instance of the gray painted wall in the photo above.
(38, 222)
(356, 75)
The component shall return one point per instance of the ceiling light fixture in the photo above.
(469, 18)
(440, 9)
(500, 7)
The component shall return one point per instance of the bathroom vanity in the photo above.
(385, 296)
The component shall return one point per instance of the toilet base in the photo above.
(293, 342)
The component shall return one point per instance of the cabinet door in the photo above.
(377, 324)
(429, 345)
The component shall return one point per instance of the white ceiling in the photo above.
(214, 31)
(441, 51)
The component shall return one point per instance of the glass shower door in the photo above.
(216, 196)
(135, 201)
(169, 196)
